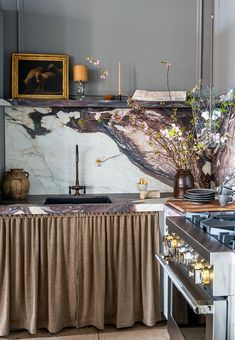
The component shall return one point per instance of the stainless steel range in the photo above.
(199, 259)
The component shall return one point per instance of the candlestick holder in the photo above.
(80, 77)
(80, 90)
(143, 190)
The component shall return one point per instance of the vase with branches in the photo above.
(182, 144)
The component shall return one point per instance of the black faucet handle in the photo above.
(77, 188)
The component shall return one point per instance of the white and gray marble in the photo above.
(42, 142)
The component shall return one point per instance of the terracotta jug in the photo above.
(183, 181)
(15, 184)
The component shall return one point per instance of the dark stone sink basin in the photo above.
(77, 200)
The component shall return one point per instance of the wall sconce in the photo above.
(80, 75)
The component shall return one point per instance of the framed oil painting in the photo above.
(40, 76)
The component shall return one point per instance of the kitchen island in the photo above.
(79, 265)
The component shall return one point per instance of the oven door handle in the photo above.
(202, 307)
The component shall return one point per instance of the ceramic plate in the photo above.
(200, 196)
(199, 200)
(200, 191)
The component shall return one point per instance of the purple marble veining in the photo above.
(123, 207)
(223, 161)
(14, 210)
(90, 208)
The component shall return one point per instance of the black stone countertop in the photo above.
(122, 202)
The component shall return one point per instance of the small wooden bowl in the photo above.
(108, 97)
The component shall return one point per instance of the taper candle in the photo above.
(119, 79)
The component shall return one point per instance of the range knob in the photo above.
(194, 265)
(202, 276)
(185, 258)
(168, 237)
(188, 257)
(174, 242)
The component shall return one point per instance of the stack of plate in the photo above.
(200, 195)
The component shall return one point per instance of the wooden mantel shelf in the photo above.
(87, 102)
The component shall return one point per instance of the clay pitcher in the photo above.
(15, 184)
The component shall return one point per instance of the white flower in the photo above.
(206, 115)
(97, 115)
(217, 137)
(164, 132)
(216, 114)
(223, 139)
(228, 96)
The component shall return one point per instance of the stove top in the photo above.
(219, 225)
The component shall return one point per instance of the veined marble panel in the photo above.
(42, 141)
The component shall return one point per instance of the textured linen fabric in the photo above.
(37, 276)
(78, 270)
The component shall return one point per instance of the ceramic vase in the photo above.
(15, 184)
(183, 181)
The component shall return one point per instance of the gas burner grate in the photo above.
(219, 225)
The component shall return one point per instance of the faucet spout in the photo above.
(77, 165)
(77, 187)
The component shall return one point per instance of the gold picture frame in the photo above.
(40, 76)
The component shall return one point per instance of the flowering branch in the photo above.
(96, 62)
(99, 161)
(170, 140)
(209, 114)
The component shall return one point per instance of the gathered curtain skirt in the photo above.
(77, 270)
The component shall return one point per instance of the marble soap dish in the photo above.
(153, 194)
(142, 186)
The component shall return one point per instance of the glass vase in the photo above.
(183, 181)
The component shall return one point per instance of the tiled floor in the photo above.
(138, 332)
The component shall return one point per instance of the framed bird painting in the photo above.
(40, 76)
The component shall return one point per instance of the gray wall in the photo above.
(224, 45)
(10, 41)
(206, 41)
(137, 33)
(2, 139)
(8, 44)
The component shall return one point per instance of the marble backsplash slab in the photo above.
(42, 141)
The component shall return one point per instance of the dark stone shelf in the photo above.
(86, 103)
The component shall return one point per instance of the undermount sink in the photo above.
(77, 200)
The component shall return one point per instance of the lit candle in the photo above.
(119, 79)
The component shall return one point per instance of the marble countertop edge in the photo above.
(120, 203)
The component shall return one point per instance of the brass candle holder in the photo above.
(142, 186)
